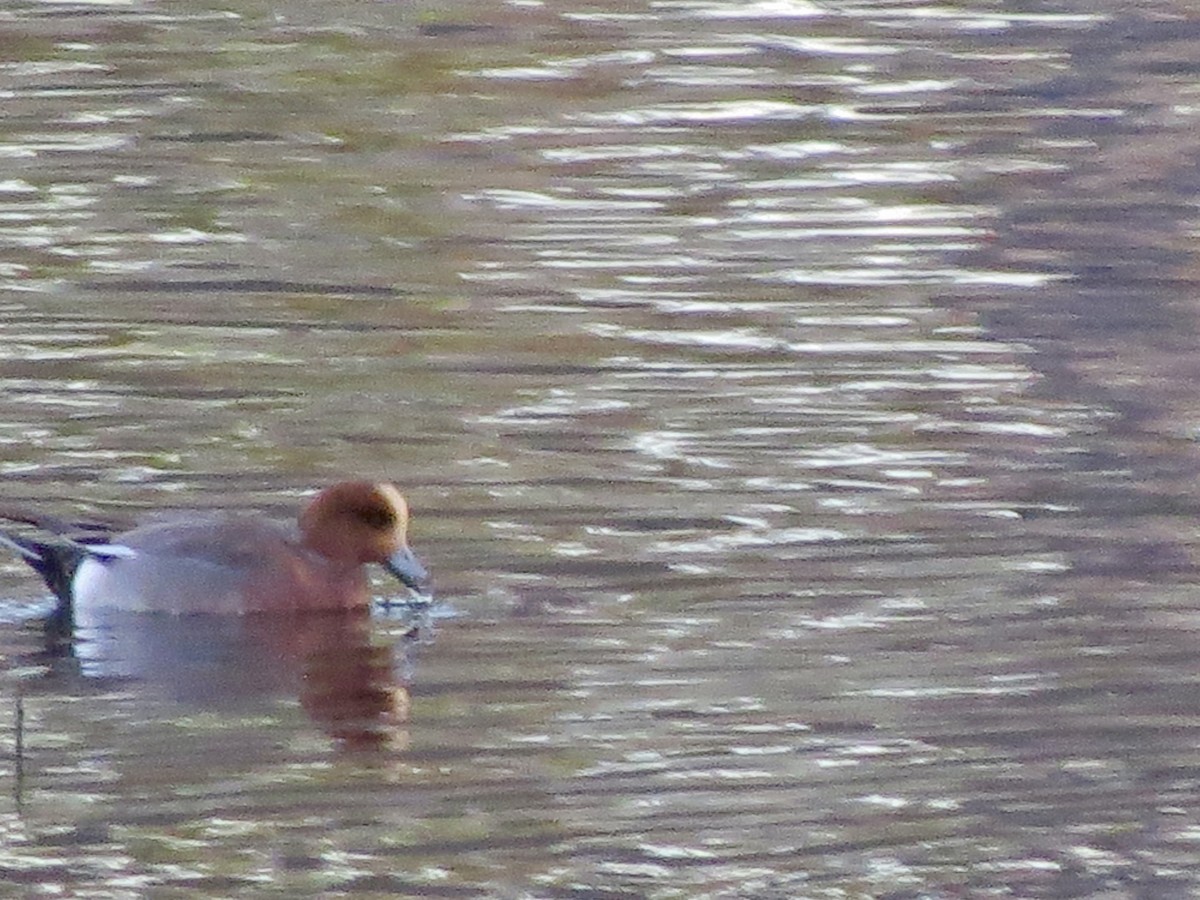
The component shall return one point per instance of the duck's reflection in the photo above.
(348, 672)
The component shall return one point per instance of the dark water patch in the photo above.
(249, 286)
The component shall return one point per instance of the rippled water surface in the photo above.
(796, 401)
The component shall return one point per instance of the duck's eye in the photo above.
(376, 517)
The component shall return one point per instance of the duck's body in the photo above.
(236, 563)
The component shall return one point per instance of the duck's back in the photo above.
(225, 564)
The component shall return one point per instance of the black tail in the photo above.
(55, 561)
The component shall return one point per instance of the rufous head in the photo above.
(357, 522)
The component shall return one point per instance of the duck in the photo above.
(234, 562)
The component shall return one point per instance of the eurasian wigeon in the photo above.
(237, 563)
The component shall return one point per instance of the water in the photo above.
(795, 402)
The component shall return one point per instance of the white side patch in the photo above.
(92, 583)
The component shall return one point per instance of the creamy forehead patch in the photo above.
(393, 496)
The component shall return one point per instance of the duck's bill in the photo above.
(405, 566)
